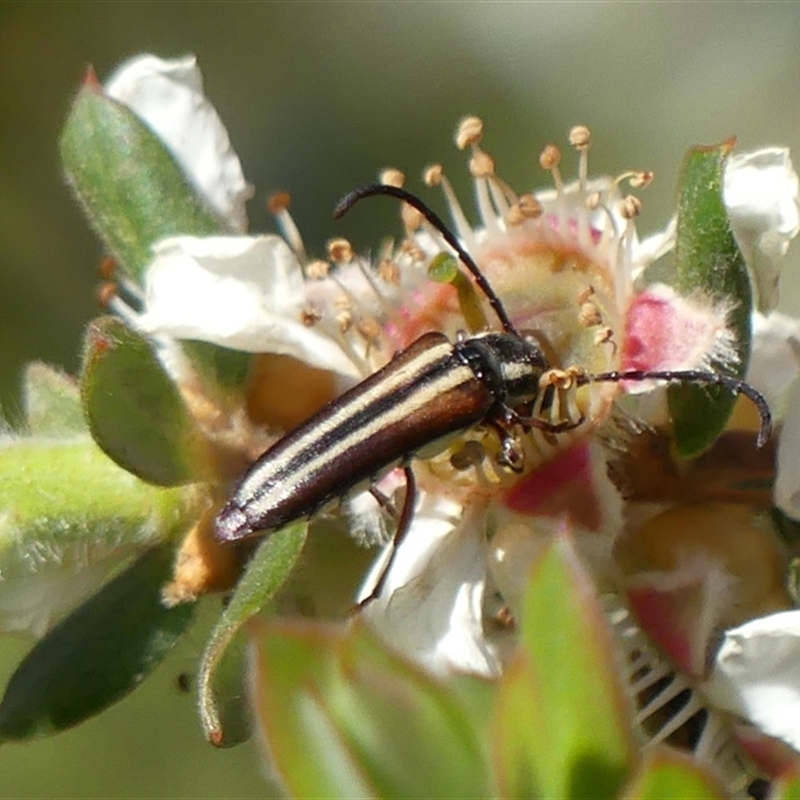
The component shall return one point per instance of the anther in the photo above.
(317, 270)
(280, 201)
(278, 205)
(108, 268)
(342, 301)
(340, 251)
(550, 157)
(411, 249)
(107, 291)
(642, 179)
(630, 207)
(392, 177)
(580, 137)
(585, 294)
(604, 335)
(529, 206)
(310, 316)
(345, 320)
(432, 175)
(370, 329)
(389, 271)
(481, 165)
(589, 315)
(469, 132)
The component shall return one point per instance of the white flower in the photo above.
(572, 253)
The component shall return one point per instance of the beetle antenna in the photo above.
(735, 385)
(375, 189)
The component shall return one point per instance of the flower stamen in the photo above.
(278, 205)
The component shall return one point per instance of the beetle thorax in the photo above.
(509, 363)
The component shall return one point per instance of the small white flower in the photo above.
(572, 249)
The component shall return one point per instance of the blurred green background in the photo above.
(317, 98)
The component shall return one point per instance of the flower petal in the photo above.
(787, 479)
(168, 96)
(245, 293)
(774, 363)
(761, 194)
(757, 674)
(431, 606)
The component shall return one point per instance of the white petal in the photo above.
(168, 96)
(757, 674)
(245, 293)
(431, 607)
(774, 364)
(787, 478)
(761, 194)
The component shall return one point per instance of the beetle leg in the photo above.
(403, 527)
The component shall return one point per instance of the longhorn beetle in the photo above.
(427, 392)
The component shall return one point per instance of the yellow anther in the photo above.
(342, 301)
(585, 294)
(317, 270)
(310, 316)
(370, 329)
(280, 201)
(345, 321)
(411, 249)
(641, 180)
(469, 132)
(529, 206)
(392, 177)
(604, 335)
(630, 207)
(589, 315)
(340, 251)
(389, 271)
(580, 137)
(550, 157)
(432, 176)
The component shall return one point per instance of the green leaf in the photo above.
(130, 185)
(70, 517)
(52, 402)
(668, 774)
(708, 261)
(136, 413)
(222, 711)
(564, 723)
(342, 717)
(98, 654)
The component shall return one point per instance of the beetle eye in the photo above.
(538, 339)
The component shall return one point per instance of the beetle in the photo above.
(428, 392)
